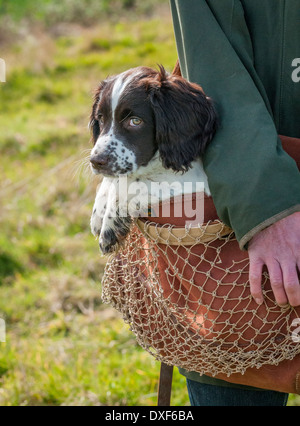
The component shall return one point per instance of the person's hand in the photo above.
(277, 247)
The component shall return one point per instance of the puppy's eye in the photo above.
(101, 119)
(135, 122)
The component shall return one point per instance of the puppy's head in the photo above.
(142, 111)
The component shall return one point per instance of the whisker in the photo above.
(80, 168)
(84, 151)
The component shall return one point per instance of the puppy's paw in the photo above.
(108, 241)
(113, 234)
(96, 222)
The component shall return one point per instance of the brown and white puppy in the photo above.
(146, 125)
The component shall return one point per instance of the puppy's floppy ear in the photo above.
(94, 123)
(185, 120)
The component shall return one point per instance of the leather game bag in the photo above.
(185, 293)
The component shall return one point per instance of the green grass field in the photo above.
(63, 346)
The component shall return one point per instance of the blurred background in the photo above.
(63, 346)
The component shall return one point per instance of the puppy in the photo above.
(150, 127)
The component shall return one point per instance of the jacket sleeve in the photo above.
(254, 183)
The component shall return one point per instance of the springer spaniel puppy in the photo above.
(146, 125)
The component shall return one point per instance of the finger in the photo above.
(276, 279)
(255, 278)
(291, 283)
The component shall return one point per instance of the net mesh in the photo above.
(186, 295)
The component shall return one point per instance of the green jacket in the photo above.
(246, 56)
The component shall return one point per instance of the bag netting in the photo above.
(185, 293)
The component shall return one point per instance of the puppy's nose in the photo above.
(98, 161)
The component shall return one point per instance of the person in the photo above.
(245, 55)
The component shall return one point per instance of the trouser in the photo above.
(201, 394)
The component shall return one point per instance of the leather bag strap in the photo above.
(165, 385)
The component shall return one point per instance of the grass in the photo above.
(64, 347)
(51, 12)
